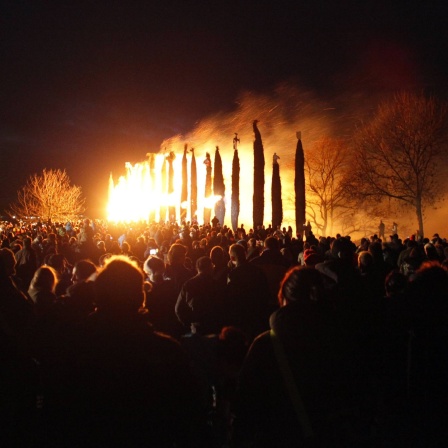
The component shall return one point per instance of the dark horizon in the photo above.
(87, 88)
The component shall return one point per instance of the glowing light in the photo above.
(280, 113)
(138, 195)
(211, 201)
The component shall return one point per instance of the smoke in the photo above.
(281, 114)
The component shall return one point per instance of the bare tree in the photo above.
(49, 196)
(363, 217)
(398, 153)
(326, 168)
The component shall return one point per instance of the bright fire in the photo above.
(140, 193)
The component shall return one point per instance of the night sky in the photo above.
(87, 86)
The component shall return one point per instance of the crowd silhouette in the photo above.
(179, 335)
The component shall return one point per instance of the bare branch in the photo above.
(396, 153)
(49, 196)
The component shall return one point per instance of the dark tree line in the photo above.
(215, 185)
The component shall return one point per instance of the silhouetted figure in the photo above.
(139, 248)
(427, 355)
(79, 300)
(42, 290)
(19, 376)
(274, 266)
(340, 271)
(87, 248)
(124, 384)
(200, 301)
(175, 268)
(161, 299)
(220, 260)
(307, 229)
(394, 228)
(63, 272)
(381, 230)
(247, 295)
(26, 262)
(301, 384)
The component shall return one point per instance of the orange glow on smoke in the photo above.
(280, 115)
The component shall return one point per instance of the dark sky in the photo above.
(86, 86)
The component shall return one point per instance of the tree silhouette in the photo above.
(258, 197)
(397, 153)
(235, 199)
(219, 188)
(50, 197)
(327, 167)
(276, 194)
(299, 185)
(184, 192)
(194, 186)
